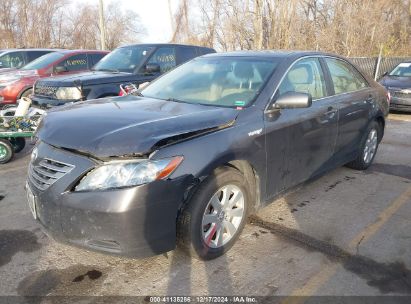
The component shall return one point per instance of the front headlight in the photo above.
(68, 93)
(128, 173)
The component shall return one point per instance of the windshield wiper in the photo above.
(175, 100)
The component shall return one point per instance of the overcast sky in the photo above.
(154, 16)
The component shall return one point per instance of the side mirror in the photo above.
(60, 69)
(152, 68)
(291, 100)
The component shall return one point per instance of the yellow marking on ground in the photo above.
(401, 117)
(299, 295)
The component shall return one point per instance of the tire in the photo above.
(370, 141)
(26, 93)
(203, 220)
(6, 151)
(18, 144)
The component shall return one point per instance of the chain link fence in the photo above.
(369, 64)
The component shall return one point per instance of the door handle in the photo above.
(328, 115)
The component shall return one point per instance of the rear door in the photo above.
(308, 135)
(355, 100)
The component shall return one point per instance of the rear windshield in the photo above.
(403, 69)
(43, 61)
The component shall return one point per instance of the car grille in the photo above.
(47, 172)
(43, 90)
(401, 95)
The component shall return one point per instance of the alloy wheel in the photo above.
(370, 146)
(3, 151)
(223, 216)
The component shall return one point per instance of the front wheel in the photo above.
(215, 216)
(6, 151)
(369, 146)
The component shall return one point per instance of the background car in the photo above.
(199, 149)
(11, 59)
(134, 64)
(17, 84)
(398, 83)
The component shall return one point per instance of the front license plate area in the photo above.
(31, 199)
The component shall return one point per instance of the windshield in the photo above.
(403, 69)
(43, 61)
(225, 82)
(125, 59)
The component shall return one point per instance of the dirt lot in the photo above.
(347, 233)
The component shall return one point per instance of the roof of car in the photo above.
(81, 51)
(30, 50)
(271, 54)
(165, 44)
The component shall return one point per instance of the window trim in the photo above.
(320, 57)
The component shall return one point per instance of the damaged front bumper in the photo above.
(137, 221)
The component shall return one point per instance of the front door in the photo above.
(302, 140)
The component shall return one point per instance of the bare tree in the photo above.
(348, 27)
(57, 23)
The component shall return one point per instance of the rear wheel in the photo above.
(369, 146)
(215, 216)
(6, 151)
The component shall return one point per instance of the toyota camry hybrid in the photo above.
(186, 160)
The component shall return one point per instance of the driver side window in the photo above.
(305, 76)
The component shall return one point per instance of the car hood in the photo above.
(19, 73)
(129, 125)
(396, 82)
(88, 78)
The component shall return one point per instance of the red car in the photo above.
(17, 84)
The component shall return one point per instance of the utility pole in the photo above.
(102, 27)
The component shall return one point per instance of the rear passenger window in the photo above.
(35, 54)
(165, 57)
(305, 76)
(186, 53)
(345, 77)
(75, 63)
